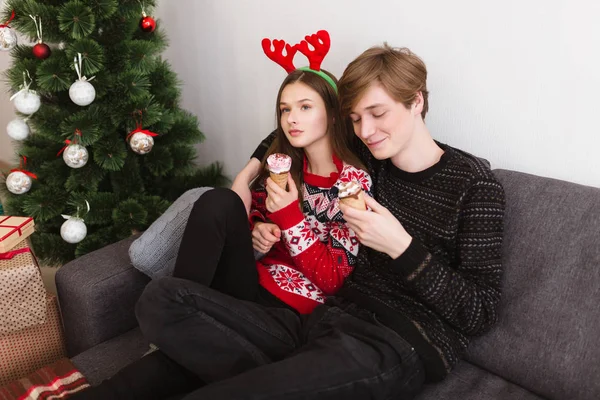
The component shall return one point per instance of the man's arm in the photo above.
(241, 183)
(262, 148)
(466, 293)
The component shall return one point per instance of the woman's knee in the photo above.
(219, 200)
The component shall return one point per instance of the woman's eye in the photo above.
(356, 121)
(377, 116)
(305, 107)
(284, 110)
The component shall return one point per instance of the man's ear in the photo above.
(418, 102)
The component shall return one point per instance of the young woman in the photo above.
(308, 249)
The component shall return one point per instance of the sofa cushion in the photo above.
(546, 338)
(154, 253)
(468, 382)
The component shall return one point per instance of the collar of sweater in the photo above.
(322, 181)
(420, 176)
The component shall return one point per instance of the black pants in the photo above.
(216, 251)
(228, 347)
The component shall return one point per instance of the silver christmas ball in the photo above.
(17, 129)
(8, 39)
(73, 230)
(82, 93)
(18, 183)
(75, 156)
(27, 102)
(141, 143)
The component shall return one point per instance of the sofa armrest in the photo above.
(97, 294)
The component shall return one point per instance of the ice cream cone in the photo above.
(351, 194)
(280, 179)
(279, 168)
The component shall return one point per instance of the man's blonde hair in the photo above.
(399, 71)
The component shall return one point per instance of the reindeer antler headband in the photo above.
(319, 41)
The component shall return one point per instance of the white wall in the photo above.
(515, 82)
(6, 109)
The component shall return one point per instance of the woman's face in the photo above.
(303, 115)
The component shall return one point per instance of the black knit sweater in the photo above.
(445, 288)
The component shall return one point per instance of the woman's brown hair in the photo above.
(337, 129)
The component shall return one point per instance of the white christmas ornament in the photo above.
(73, 230)
(75, 156)
(17, 129)
(141, 143)
(8, 38)
(81, 91)
(26, 101)
(18, 183)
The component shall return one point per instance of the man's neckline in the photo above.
(427, 172)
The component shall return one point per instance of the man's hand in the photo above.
(264, 236)
(378, 228)
(241, 183)
(277, 198)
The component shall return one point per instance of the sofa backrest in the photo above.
(547, 338)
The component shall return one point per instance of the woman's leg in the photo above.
(216, 249)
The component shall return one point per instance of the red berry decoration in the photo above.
(147, 24)
(41, 51)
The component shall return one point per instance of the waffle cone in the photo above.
(280, 179)
(355, 201)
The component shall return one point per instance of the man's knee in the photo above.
(152, 309)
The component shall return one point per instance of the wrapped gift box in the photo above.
(14, 230)
(22, 291)
(27, 350)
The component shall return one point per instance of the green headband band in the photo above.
(322, 75)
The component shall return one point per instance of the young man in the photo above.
(426, 281)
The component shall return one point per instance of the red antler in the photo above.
(320, 41)
(287, 61)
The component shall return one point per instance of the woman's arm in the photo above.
(241, 183)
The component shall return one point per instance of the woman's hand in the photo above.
(264, 236)
(278, 198)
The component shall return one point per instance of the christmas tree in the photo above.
(99, 123)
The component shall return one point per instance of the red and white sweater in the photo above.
(317, 251)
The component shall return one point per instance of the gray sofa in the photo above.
(546, 344)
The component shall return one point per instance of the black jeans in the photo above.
(223, 337)
(245, 350)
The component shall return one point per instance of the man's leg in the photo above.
(214, 335)
(345, 358)
(216, 248)
(153, 377)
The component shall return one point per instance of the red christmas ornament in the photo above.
(147, 24)
(41, 51)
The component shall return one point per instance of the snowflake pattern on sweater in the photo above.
(317, 250)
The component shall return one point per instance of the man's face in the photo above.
(383, 124)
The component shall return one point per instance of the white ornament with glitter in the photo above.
(82, 92)
(17, 129)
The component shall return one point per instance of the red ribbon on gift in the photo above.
(17, 227)
(23, 170)
(5, 25)
(10, 254)
(139, 127)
